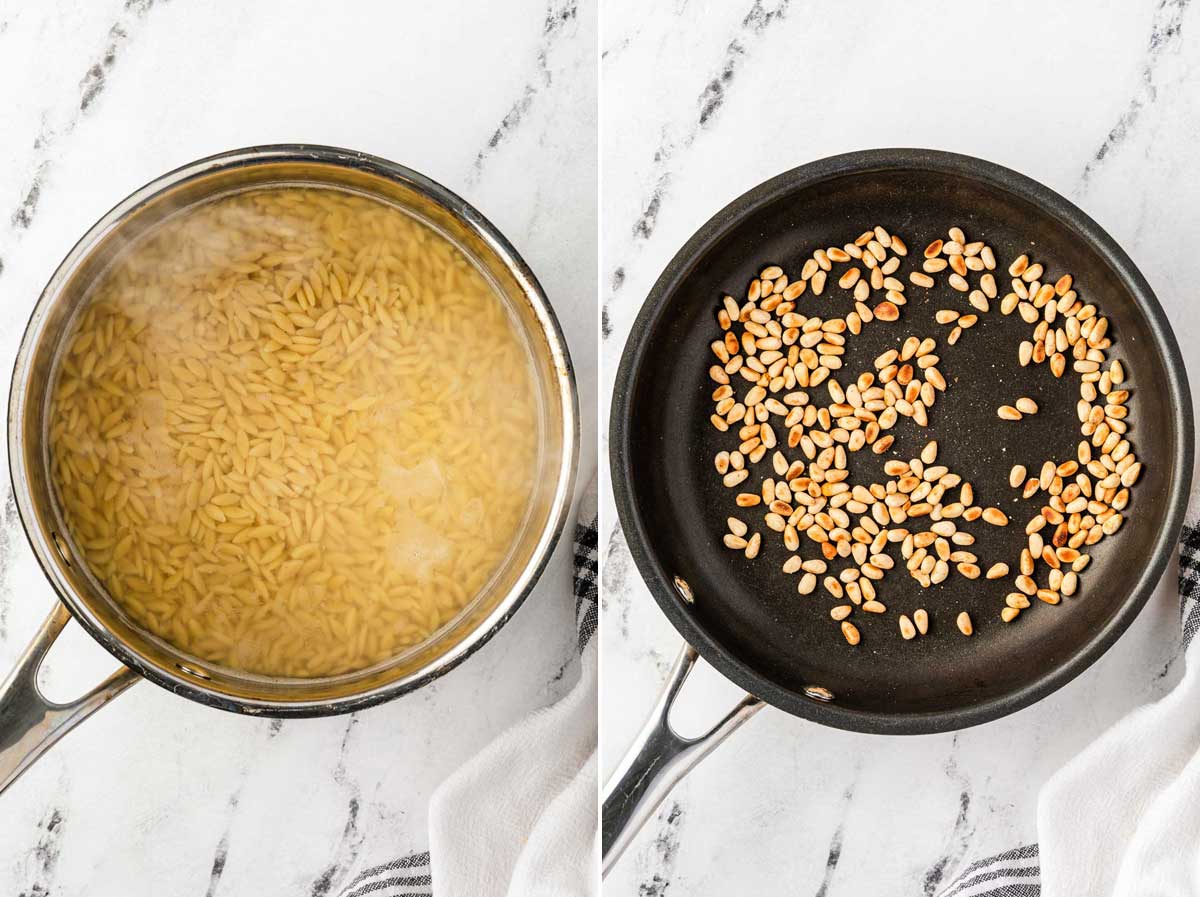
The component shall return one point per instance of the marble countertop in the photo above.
(157, 795)
(701, 102)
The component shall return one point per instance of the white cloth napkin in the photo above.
(519, 820)
(1123, 817)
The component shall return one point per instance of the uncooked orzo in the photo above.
(293, 431)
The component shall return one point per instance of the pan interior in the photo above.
(750, 610)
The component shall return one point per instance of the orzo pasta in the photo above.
(293, 431)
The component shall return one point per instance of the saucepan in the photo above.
(29, 722)
(745, 617)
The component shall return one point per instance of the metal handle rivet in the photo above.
(62, 548)
(199, 674)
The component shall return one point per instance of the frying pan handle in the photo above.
(30, 724)
(657, 760)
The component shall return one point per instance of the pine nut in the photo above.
(995, 517)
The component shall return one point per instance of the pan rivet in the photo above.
(684, 590)
(62, 548)
(199, 674)
(818, 693)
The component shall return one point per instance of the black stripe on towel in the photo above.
(993, 876)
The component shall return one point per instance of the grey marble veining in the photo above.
(156, 795)
(699, 104)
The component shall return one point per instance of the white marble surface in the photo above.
(157, 795)
(700, 102)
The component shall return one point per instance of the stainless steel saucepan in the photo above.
(29, 722)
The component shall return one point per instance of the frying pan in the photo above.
(745, 617)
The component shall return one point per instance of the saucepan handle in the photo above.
(29, 723)
(657, 760)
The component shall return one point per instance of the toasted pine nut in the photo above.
(964, 623)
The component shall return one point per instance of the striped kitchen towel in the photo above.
(1121, 819)
(1014, 873)
(407, 876)
(520, 817)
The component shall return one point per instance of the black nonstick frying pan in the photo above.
(745, 617)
